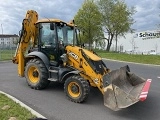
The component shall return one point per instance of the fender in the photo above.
(40, 55)
(69, 74)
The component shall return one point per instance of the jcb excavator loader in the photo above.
(48, 50)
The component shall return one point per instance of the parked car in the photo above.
(152, 52)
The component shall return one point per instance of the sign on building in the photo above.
(147, 35)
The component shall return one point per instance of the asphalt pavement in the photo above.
(53, 104)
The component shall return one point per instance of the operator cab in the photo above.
(54, 35)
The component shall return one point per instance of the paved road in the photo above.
(53, 104)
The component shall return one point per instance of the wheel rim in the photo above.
(33, 74)
(74, 89)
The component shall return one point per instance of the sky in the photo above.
(12, 12)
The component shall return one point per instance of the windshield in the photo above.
(60, 34)
(68, 33)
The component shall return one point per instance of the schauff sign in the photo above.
(148, 35)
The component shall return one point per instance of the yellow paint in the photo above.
(49, 21)
(31, 70)
(72, 93)
(91, 55)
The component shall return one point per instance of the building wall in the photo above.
(140, 43)
(8, 41)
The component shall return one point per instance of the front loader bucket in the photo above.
(123, 88)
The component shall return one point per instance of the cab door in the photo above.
(48, 41)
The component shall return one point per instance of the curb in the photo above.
(24, 105)
(130, 62)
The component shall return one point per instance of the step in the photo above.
(52, 79)
(53, 71)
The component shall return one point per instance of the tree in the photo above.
(88, 19)
(116, 19)
(124, 19)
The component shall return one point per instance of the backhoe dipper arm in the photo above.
(27, 34)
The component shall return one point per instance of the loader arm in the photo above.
(27, 35)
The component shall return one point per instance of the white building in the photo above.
(8, 41)
(140, 42)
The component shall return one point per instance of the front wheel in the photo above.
(76, 88)
(36, 74)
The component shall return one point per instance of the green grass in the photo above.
(146, 59)
(13, 110)
(6, 54)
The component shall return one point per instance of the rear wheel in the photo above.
(76, 88)
(36, 74)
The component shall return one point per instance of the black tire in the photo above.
(76, 88)
(36, 74)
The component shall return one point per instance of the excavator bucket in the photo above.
(123, 88)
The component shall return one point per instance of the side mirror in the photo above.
(51, 26)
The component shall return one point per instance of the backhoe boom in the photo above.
(27, 34)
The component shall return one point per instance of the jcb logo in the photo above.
(73, 55)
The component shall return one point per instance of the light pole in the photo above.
(2, 29)
(2, 44)
(2, 37)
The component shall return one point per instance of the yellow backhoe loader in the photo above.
(49, 50)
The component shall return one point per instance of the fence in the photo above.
(7, 52)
